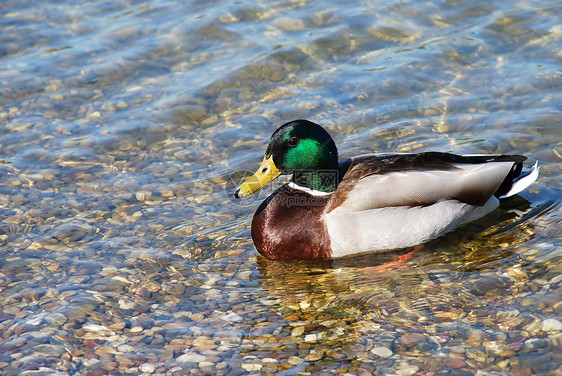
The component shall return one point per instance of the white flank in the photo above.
(398, 227)
(312, 192)
(523, 182)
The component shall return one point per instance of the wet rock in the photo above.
(534, 327)
(251, 367)
(314, 356)
(175, 289)
(507, 353)
(56, 319)
(412, 339)
(454, 362)
(50, 350)
(191, 357)
(198, 316)
(110, 365)
(147, 367)
(475, 337)
(475, 354)
(383, 352)
(457, 349)
(105, 350)
(71, 232)
(549, 325)
(537, 363)
(407, 370)
(12, 344)
(207, 367)
(232, 317)
(312, 337)
(96, 372)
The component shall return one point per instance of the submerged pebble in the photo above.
(551, 325)
(383, 352)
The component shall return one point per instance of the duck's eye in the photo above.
(293, 141)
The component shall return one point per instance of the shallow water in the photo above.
(125, 127)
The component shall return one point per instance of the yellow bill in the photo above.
(266, 173)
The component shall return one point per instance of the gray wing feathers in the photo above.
(473, 184)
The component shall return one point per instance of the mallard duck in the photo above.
(369, 203)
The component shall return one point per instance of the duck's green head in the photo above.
(301, 148)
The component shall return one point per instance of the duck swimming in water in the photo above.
(373, 202)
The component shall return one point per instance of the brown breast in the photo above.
(289, 225)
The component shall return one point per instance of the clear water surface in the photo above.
(125, 125)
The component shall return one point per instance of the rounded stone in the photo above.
(549, 325)
(147, 367)
(383, 352)
(191, 357)
(454, 362)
